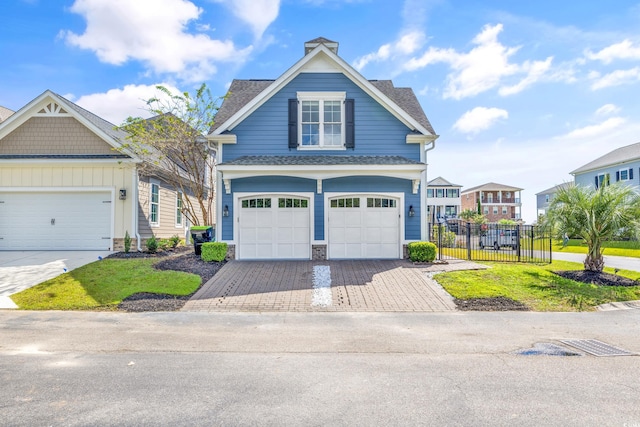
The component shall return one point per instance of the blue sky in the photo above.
(521, 93)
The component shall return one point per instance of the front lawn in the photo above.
(623, 248)
(536, 286)
(102, 285)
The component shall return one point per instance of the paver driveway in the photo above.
(387, 285)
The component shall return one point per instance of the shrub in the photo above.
(127, 242)
(448, 237)
(213, 251)
(152, 245)
(164, 244)
(174, 241)
(422, 251)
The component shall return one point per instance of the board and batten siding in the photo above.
(77, 176)
(377, 132)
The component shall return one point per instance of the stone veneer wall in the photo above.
(318, 252)
(231, 252)
(118, 245)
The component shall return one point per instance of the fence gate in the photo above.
(456, 239)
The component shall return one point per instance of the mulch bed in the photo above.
(179, 259)
(596, 278)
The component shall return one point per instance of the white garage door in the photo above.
(274, 227)
(55, 221)
(364, 227)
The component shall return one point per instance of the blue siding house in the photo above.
(620, 165)
(321, 163)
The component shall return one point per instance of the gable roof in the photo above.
(555, 188)
(5, 113)
(618, 156)
(441, 182)
(245, 96)
(491, 186)
(41, 105)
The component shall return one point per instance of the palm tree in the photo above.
(594, 215)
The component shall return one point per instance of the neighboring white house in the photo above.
(443, 199)
(619, 165)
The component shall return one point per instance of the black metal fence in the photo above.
(491, 242)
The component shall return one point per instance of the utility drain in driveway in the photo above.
(546, 349)
(597, 348)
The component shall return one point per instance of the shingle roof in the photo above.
(241, 92)
(617, 156)
(319, 160)
(108, 128)
(554, 189)
(491, 186)
(5, 113)
(441, 182)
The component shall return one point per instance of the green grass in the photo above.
(102, 285)
(536, 286)
(625, 248)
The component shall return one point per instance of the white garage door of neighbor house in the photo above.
(274, 227)
(55, 221)
(364, 227)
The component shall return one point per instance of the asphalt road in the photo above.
(623, 263)
(61, 368)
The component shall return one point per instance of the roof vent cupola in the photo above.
(312, 44)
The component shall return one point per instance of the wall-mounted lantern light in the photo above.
(411, 211)
(225, 212)
(123, 194)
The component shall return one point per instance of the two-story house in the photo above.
(619, 165)
(497, 201)
(321, 163)
(443, 200)
(544, 198)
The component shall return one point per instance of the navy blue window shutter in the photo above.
(617, 176)
(596, 182)
(349, 125)
(630, 173)
(293, 124)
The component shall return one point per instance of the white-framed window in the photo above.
(178, 209)
(321, 120)
(429, 192)
(450, 211)
(490, 198)
(546, 198)
(624, 175)
(495, 210)
(154, 203)
(507, 194)
(453, 192)
(504, 210)
(486, 210)
(440, 192)
(602, 179)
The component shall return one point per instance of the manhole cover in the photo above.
(597, 348)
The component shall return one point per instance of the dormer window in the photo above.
(321, 120)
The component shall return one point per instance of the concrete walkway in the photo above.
(348, 286)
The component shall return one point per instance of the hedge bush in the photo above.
(422, 251)
(213, 251)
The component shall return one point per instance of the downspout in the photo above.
(135, 201)
(423, 212)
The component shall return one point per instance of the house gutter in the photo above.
(135, 201)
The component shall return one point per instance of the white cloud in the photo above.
(116, 105)
(479, 119)
(259, 14)
(623, 50)
(483, 67)
(615, 78)
(599, 129)
(405, 45)
(153, 32)
(607, 109)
